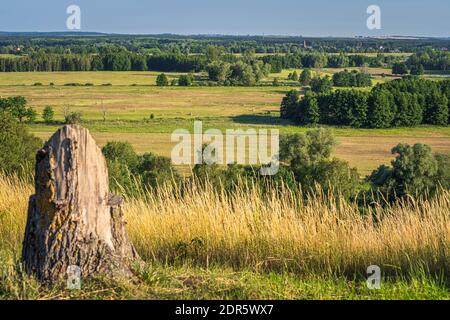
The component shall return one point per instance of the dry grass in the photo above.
(277, 231)
(282, 232)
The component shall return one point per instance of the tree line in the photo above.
(430, 59)
(124, 60)
(322, 60)
(81, 43)
(352, 79)
(119, 61)
(406, 102)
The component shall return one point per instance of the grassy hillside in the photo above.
(205, 245)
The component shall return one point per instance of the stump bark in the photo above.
(72, 218)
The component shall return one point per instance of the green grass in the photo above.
(95, 77)
(165, 282)
(127, 106)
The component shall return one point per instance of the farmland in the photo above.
(132, 98)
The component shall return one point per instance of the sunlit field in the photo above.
(205, 244)
(123, 112)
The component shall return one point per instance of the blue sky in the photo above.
(270, 17)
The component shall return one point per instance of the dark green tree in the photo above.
(409, 112)
(288, 108)
(162, 80)
(417, 70)
(321, 85)
(309, 113)
(437, 112)
(381, 111)
(400, 68)
(305, 77)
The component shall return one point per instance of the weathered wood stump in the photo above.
(72, 218)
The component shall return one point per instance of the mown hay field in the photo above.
(128, 110)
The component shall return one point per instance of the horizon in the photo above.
(81, 32)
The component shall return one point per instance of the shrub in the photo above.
(48, 115)
(17, 108)
(129, 172)
(17, 147)
(73, 118)
(415, 171)
(162, 80)
(185, 80)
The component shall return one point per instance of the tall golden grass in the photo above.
(278, 230)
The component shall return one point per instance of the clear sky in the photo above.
(255, 17)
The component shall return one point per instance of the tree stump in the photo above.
(72, 218)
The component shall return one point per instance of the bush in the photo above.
(131, 173)
(122, 165)
(17, 147)
(73, 118)
(48, 115)
(17, 108)
(414, 172)
(185, 80)
(308, 156)
(162, 80)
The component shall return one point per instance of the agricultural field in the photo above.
(127, 109)
(123, 111)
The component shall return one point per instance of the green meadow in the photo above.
(132, 108)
